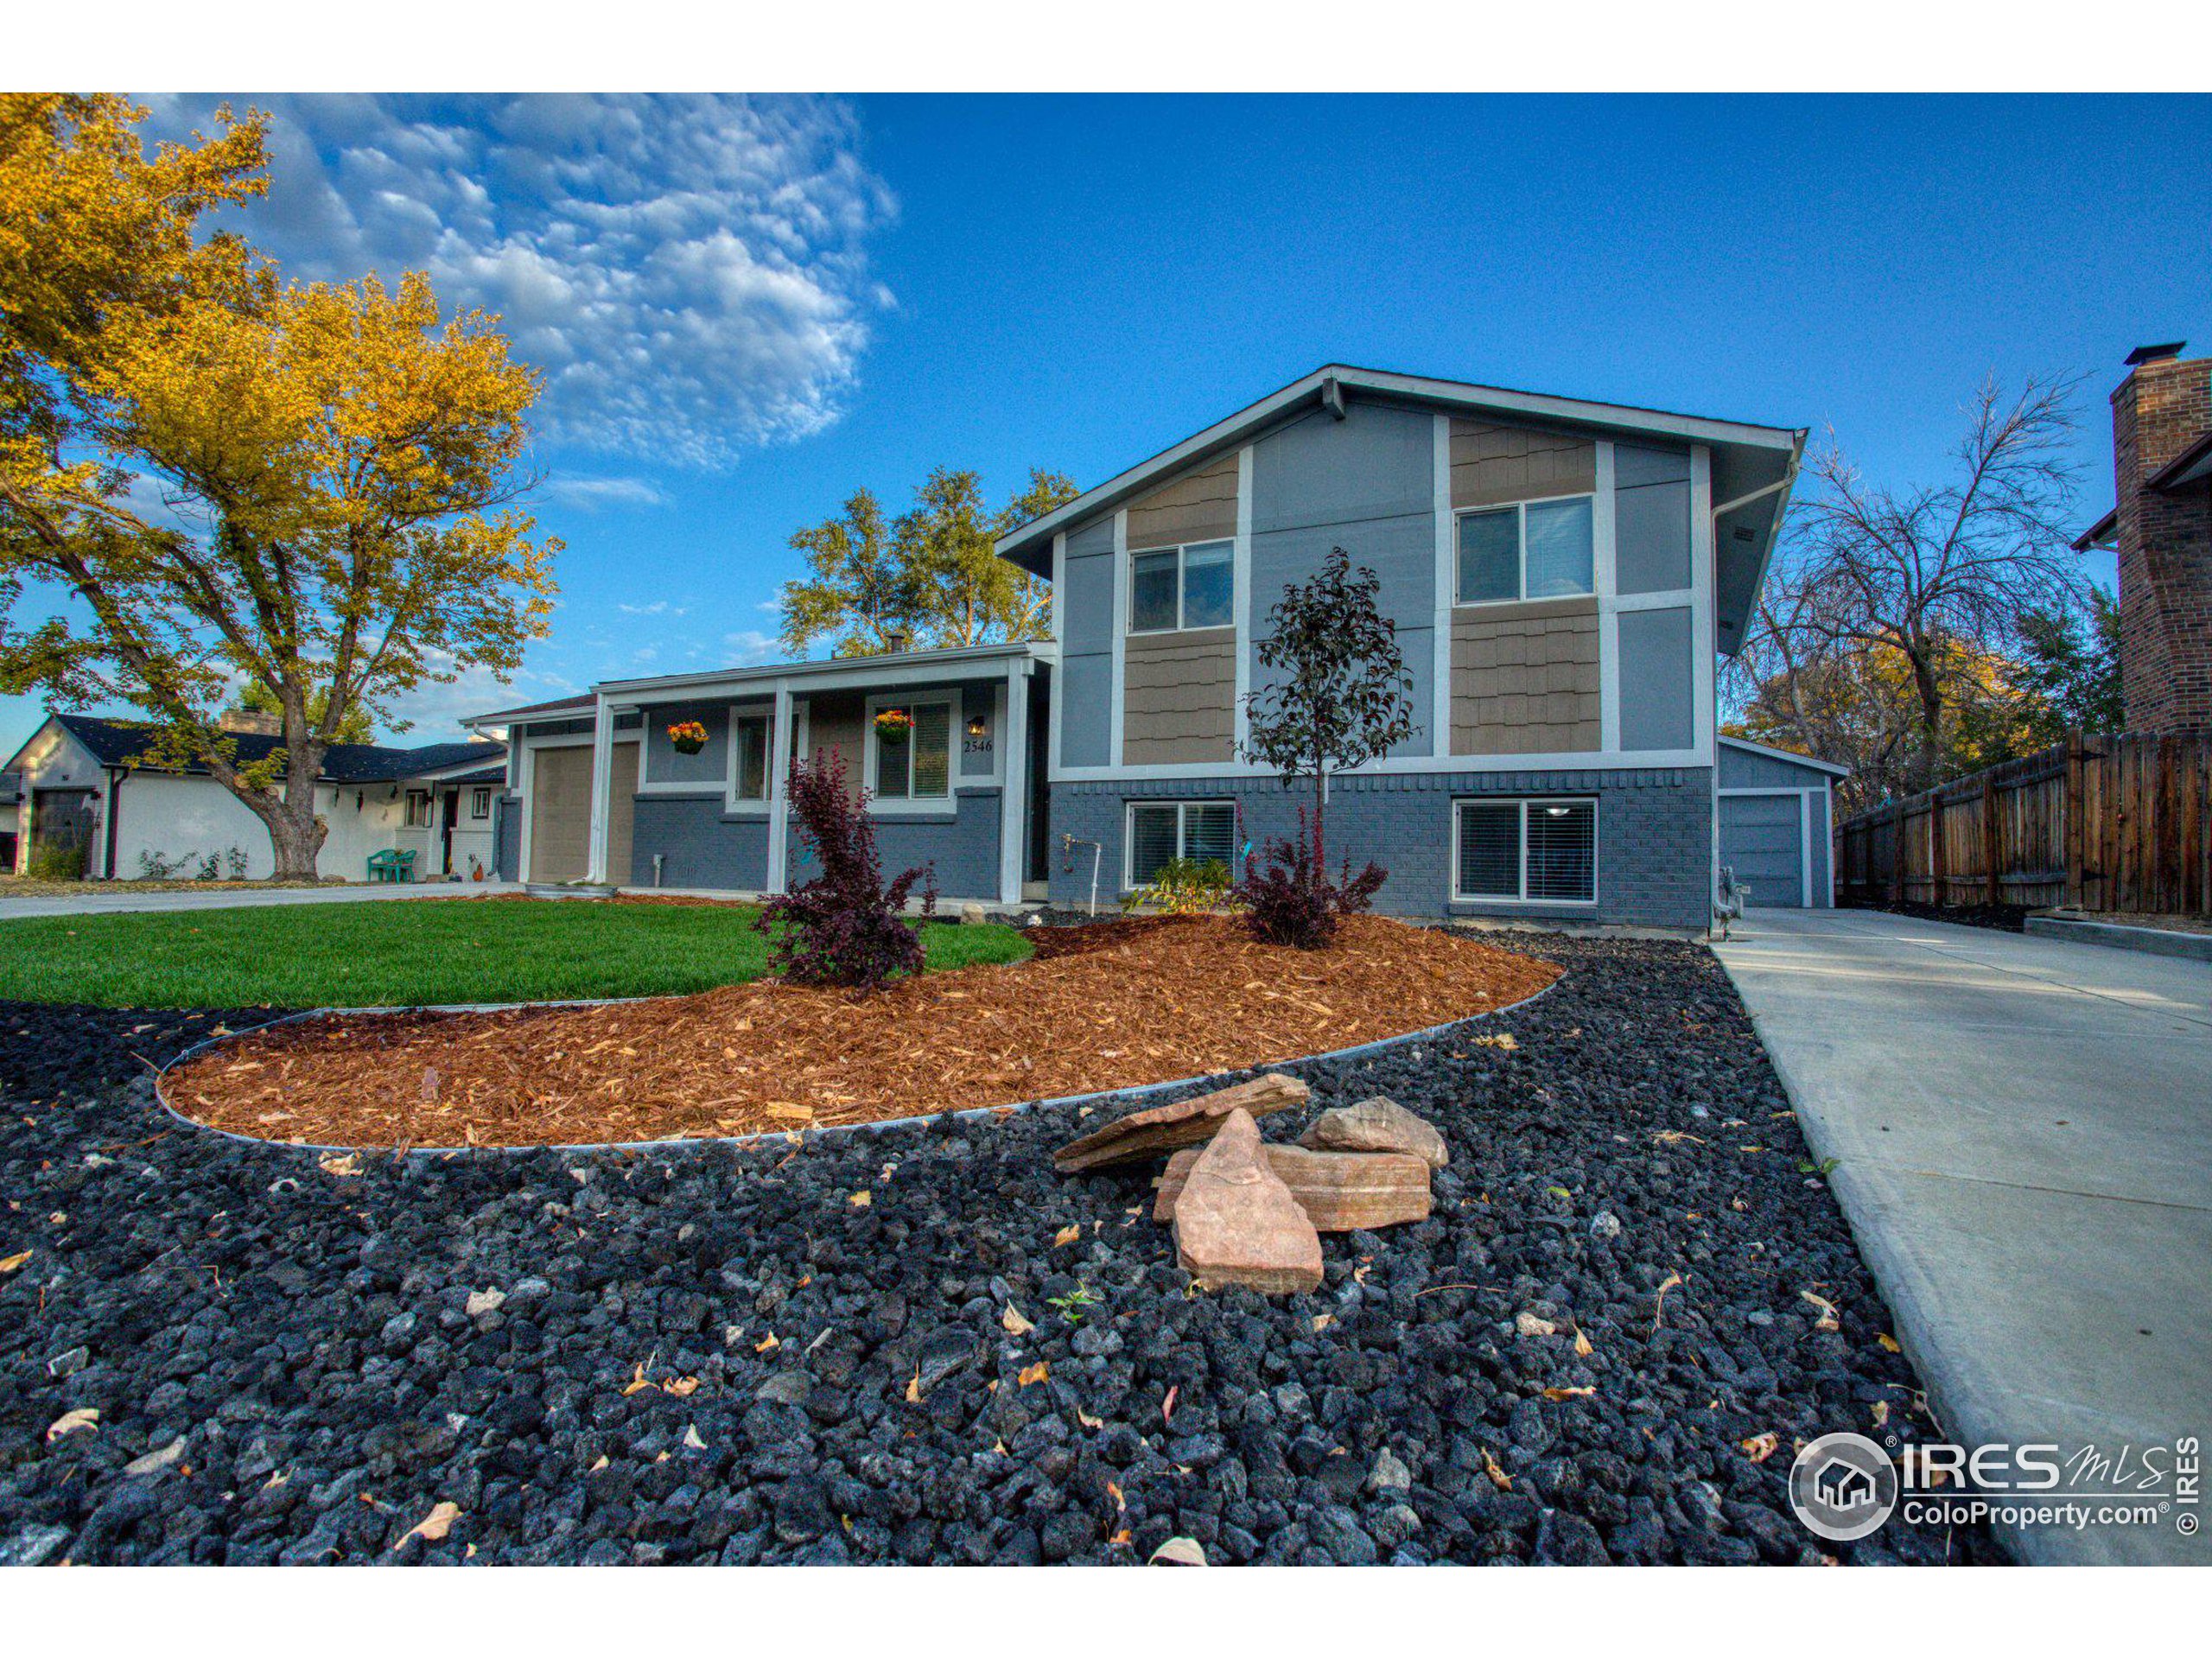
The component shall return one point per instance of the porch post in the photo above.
(602, 787)
(1014, 788)
(779, 803)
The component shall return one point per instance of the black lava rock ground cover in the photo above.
(2003, 919)
(724, 1353)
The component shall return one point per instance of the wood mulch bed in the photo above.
(1098, 1008)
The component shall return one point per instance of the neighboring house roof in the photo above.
(1790, 755)
(1753, 467)
(2192, 465)
(119, 742)
(483, 775)
(2099, 534)
(890, 667)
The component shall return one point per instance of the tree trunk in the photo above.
(1930, 760)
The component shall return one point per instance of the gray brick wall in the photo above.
(1655, 832)
(964, 849)
(700, 844)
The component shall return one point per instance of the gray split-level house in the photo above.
(1563, 577)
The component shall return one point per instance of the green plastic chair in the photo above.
(391, 864)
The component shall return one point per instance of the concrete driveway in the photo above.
(103, 903)
(2023, 1127)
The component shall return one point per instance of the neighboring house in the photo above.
(81, 789)
(2161, 528)
(1562, 574)
(11, 793)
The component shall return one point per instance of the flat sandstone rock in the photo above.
(1235, 1223)
(1378, 1124)
(1158, 1130)
(1339, 1191)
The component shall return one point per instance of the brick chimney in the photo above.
(261, 723)
(2165, 537)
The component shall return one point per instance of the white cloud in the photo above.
(434, 711)
(690, 273)
(658, 608)
(748, 646)
(594, 494)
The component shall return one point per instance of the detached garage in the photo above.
(1776, 811)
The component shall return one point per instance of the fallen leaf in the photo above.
(1890, 1344)
(860, 1200)
(1087, 1420)
(1121, 1537)
(433, 1526)
(691, 1438)
(1499, 1478)
(1036, 1373)
(637, 1380)
(1583, 1346)
(768, 1344)
(1659, 1307)
(1760, 1447)
(599, 1464)
(1322, 1321)
(1113, 1491)
(1179, 1552)
(1881, 1413)
(334, 1165)
(1557, 1395)
(1066, 1236)
(10, 1263)
(680, 1386)
(70, 1422)
(1013, 1324)
(914, 1389)
(1827, 1321)
(1167, 1406)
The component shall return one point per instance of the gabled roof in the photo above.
(559, 708)
(119, 742)
(1790, 755)
(1753, 467)
(2192, 465)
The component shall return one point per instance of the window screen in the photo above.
(1152, 593)
(1490, 555)
(1559, 557)
(752, 758)
(1211, 832)
(1152, 841)
(1209, 578)
(1490, 849)
(1562, 850)
(933, 742)
(893, 754)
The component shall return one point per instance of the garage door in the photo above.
(560, 814)
(1761, 839)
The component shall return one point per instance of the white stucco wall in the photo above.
(177, 817)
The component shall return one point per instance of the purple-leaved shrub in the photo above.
(844, 927)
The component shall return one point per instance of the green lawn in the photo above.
(455, 950)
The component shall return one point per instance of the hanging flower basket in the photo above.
(687, 737)
(893, 723)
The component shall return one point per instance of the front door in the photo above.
(448, 810)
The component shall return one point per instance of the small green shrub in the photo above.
(56, 863)
(1185, 886)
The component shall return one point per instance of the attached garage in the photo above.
(556, 835)
(1775, 814)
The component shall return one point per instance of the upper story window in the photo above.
(1530, 549)
(1189, 587)
(912, 743)
(751, 741)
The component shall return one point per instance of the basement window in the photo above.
(1159, 831)
(1525, 851)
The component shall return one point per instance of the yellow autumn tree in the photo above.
(334, 464)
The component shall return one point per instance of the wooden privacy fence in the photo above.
(2118, 824)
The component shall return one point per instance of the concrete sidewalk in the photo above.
(122, 899)
(2023, 1128)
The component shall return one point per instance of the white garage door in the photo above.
(1761, 839)
(560, 814)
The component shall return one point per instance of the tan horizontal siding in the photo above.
(1179, 694)
(1524, 678)
(1200, 506)
(1490, 464)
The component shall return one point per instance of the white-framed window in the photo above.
(910, 762)
(418, 809)
(1527, 549)
(749, 747)
(1160, 831)
(479, 802)
(1190, 586)
(1534, 851)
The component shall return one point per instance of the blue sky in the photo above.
(748, 308)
